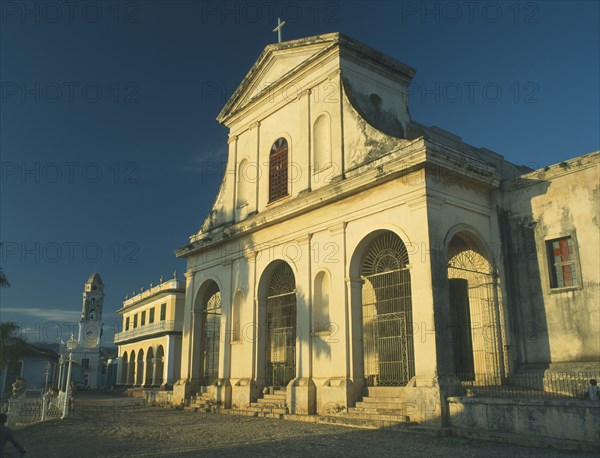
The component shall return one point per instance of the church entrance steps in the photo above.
(381, 407)
(271, 405)
(278, 398)
(201, 402)
(377, 404)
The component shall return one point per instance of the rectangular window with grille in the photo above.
(561, 263)
(127, 324)
(151, 317)
(135, 321)
(163, 312)
(143, 318)
(85, 363)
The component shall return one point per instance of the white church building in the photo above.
(87, 364)
(353, 253)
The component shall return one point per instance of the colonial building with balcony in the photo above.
(150, 340)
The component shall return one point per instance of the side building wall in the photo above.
(554, 287)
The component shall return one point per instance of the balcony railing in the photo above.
(148, 330)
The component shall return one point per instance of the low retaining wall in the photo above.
(556, 419)
(158, 397)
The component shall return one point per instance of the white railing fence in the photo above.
(25, 410)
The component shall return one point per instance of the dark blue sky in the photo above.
(108, 118)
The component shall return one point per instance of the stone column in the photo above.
(301, 392)
(168, 373)
(258, 166)
(354, 330)
(245, 390)
(182, 389)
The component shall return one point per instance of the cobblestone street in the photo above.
(104, 426)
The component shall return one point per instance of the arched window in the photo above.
(244, 184)
(278, 170)
(321, 301)
(321, 143)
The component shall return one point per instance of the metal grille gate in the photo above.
(281, 327)
(475, 312)
(211, 330)
(387, 313)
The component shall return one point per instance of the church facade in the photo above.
(353, 251)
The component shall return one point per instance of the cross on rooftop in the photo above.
(278, 29)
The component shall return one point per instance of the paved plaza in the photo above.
(108, 426)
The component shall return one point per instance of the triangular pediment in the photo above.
(273, 65)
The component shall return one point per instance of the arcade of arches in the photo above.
(294, 335)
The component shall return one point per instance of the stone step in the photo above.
(275, 396)
(377, 411)
(271, 401)
(265, 408)
(201, 402)
(242, 412)
(377, 416)
(380, 405)
(250, 412)
(346, 420)
(385, 392)
(384, 399)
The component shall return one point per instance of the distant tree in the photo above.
(11, 342)
(4, 283)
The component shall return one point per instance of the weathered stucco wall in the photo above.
(557, 325)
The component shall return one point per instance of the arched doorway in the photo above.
(160, 365)
(124, 368)
(149, 366)
(388, 353)
(131, 369)
(139, 376)
(280, 351)
(211, 331)
(475, 310)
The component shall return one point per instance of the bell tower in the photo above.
(90, 324)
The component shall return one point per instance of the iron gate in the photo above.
(387, 313)
(281, 327)
(211, 330)
(475, 312)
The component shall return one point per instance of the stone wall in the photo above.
(158, 397)
(555, 419)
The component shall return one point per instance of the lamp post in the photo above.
(46, 374)
(71, 345)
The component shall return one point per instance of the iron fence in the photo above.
(529, 385)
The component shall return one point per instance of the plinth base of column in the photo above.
(243, 392)
(301, 396)
(182, 390)
(220, 392)
(335, 394)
